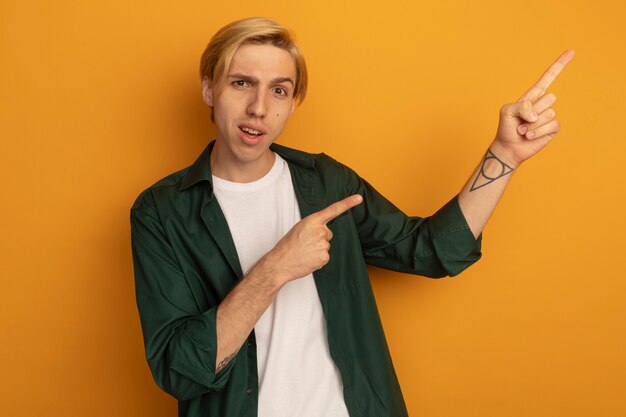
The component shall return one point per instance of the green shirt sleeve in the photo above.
(436, 246)
(180, 341)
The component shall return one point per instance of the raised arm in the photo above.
(525, 127)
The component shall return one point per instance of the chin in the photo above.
(249, 154)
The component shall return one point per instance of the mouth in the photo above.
(250, 135)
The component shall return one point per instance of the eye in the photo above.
(280, 91)
(240, 83)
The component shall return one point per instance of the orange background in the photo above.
(101, 98)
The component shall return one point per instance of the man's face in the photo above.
(251, 106)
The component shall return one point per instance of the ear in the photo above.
(207, 91)
(293, 107)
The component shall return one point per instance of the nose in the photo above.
(258, 103)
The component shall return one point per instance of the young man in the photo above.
(250, 264)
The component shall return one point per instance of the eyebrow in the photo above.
(254, 80)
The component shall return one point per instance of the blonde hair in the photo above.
(218, 54)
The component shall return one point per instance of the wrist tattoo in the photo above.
(225, 362)
(490, 170)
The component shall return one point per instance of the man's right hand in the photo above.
(301, 251)
(305, 247)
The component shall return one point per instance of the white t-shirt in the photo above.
(297, 376)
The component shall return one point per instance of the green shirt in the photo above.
(185, 263)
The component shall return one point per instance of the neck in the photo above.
(234, 170)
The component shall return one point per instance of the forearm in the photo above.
(525, 127)
(242, 308)
(301, 251)
(485, 187)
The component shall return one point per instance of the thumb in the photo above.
(522, 109)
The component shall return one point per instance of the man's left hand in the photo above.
(529, 124)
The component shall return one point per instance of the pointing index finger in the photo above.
(540, 87)
(338, 208)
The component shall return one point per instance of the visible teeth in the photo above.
(252, 131)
